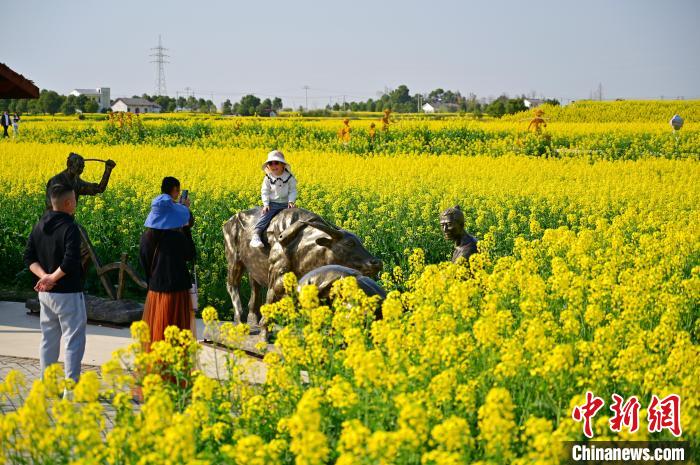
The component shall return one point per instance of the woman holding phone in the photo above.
(166, 247)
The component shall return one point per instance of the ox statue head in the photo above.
(344, 248)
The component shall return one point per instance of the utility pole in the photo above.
(306, 91)
(160, 56)
(600, 91)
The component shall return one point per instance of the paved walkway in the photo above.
(20, 337)
(32, 370)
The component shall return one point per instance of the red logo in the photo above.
(662, 414)
(587, 411)
(665, 414)
(626, 414)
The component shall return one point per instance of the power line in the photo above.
(306, 89)
(160, 61)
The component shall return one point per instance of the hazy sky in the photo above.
(557, 48)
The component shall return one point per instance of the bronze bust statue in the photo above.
(452, 225)
(71, 177)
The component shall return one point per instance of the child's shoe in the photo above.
(256, 242)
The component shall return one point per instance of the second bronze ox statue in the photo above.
(299, 241)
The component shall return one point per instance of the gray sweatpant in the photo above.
(63, 314)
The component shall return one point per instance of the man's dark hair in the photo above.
(169, 183)
(59, 192)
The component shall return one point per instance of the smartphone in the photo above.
(183, 196)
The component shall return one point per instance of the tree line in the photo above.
(398, 100)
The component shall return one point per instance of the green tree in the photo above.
(50, 102)
(22, 105)
(34, 106)
(400, 95)
(227, 108)
(192, 103)
(70, 104)
(497, 108)
(277, 104)
(515, 105)
(436, 95)
(91, 106)
(80, 101)
(248, 105)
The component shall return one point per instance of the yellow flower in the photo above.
(496, 424)
(209, 315)
(140, 332)
(87, 389)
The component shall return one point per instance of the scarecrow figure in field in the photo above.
(344, 133)
(537, 122)
(452, 225)
(372, 131)
(385, 120)
(71, 177)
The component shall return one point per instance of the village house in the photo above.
(135, 105)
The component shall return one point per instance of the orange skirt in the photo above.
(163, 309)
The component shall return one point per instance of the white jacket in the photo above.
(281, 189)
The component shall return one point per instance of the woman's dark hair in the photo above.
(169, 183)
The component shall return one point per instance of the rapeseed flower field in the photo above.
(587, 280)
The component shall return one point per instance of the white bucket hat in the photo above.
(276, 155)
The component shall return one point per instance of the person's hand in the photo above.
(186, 202)
(43, 288)
(45, 284)
(291, 205)
(266, 209)
(110, 164)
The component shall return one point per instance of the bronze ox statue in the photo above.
(324, 277)
(299, 241)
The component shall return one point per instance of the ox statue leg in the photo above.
(254, 304)
(274, 293)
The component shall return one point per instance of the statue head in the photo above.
(452, 223)
(539, 112)
(76, 164)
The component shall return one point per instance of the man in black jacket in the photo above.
(5, 122)
(53, 255)
(75, 165)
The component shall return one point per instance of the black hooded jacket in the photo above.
(54, 242)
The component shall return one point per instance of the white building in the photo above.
(135, 105)
(99, 95)
(428, 108)
(532, 102)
